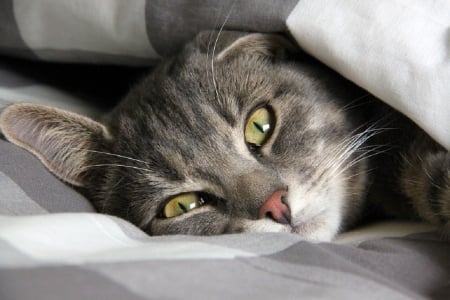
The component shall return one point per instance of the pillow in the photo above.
(397, 50)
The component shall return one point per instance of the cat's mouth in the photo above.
(311, 225)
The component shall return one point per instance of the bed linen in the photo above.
(92, 256)
(396, 49)
(54, 246)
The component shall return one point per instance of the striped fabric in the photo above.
(397, 50)
(54, 246)
(91, 256)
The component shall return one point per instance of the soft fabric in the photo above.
(396, 49)
(54, 246)
(91, 256)
(27, 188)
(124, 32)
(399, 50)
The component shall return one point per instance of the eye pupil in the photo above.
(182, 203)
(259, 127)
(262, 128)
(182, 207)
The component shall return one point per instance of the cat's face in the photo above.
(193, 122)
(238, 139)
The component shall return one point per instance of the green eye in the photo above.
(182, 204)
(259, 127)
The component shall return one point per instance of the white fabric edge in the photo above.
(398, 50)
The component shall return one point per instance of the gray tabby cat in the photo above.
(239, 133)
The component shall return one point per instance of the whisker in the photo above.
(360, 158)
(411, 181)
(214, 50)
(350, 145)
(210, 39)
(336, 165)
(351, 104)
(111, 154)
(354, 140)
(405, 159)
(358, 174)
(117, 165)
(372, 150)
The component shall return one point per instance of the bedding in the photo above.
(54, 246)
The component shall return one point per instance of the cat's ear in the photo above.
(57, 137)
(262, 44)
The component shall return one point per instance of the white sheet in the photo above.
(77, 238)
(399, 50)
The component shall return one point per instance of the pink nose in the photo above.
(275, 209)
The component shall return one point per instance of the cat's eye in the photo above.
(259, 127)
(182, 204)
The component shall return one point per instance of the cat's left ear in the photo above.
(261, 44)
(63, 141)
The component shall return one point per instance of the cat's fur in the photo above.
(336, 154)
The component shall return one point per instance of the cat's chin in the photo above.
(315, 230)
(318, 229)
(322, 226)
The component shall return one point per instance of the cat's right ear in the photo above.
(62, 140)
(259, 44)
(228, 44)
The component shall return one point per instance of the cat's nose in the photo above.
(275, 208)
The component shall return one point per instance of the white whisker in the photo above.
(112, 154)
(214, 50)
(210, 39)
(117, 165)
(359, 158)
(358, 174)
(351, 104)
(340, 163)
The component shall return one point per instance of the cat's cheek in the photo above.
(316, 212)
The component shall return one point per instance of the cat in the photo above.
(242, 132)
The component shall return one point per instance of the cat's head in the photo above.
(231, 135)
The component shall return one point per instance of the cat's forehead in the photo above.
(187, 118)
(186, 121)
(191, 88)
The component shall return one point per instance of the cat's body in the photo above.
(184, 152)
